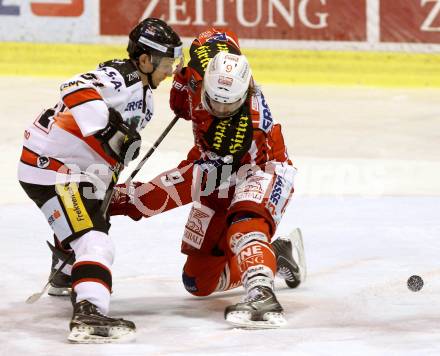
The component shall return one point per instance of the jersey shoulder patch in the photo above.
(259, 103)
(126, 68)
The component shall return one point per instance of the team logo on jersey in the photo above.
(43, 162)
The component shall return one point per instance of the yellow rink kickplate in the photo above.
(294, 67)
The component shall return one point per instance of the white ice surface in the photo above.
(360, 252)
(367, 200)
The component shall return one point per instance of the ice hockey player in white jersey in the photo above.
(69, 156)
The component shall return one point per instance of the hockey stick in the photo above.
(110, 191)
(34, 297)
(152, 149)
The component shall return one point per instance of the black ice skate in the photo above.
(61, 283)
(89, 326)
(260, 310)
(291, 269)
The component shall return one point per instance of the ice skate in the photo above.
(61, 283)
(90, 326)
(291, 269)
(259, 310)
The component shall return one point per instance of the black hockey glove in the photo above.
(119, 140)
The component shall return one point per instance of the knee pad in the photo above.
(249, 242)
(201, 274)
(198, 287)
(189, 283)
(94, 246)
(244, 230)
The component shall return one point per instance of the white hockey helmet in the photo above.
(225, 84)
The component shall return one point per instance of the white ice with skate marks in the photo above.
(355, 299)
(360, 250)
(85, 334)
(241, 319)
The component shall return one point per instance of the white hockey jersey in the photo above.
(60, 147)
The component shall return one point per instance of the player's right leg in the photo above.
(75, 218)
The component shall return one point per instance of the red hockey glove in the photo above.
(122, 201)
(179, 101)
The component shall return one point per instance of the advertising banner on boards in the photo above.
(311, 24)
(410, 21)
(336, 20)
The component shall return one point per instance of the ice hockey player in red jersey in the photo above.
(238, 176)
(69, 155)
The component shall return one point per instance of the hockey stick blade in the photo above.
(34, 297)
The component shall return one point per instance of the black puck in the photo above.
(415, 283)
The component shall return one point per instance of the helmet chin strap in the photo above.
(149, 74)
(150, 79)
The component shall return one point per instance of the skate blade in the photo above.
(84, 335)
(298, 253)
(59, 291)
(243, 319)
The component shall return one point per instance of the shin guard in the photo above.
(249, 242)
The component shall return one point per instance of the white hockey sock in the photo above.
(95, 293)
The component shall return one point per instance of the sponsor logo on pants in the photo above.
(76, 211)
